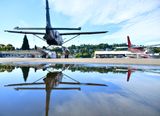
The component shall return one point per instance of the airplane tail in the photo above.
(129, 74)
(129, 42)
(47, 14)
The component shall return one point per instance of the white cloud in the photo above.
(103, 104)
(101, 12)
(143, 29)
(137, 18)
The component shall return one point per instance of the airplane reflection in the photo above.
(52, 80)
(129, 72)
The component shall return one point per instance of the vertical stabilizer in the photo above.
(129, 42)
(129, 74)
(48, 23)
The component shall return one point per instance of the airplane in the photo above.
(51, 35)
(139, 50)
(51, 82)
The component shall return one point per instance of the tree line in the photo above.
(80, 51)
(87, 51)
(10, 47)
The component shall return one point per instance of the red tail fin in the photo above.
(129, 74)
(129, 42)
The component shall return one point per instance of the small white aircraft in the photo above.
(51, 35)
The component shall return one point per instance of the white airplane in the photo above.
(51, 35)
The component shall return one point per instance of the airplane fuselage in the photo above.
(53, 37)
(136, 49)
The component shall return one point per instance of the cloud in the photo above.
(143, 29)
(137, 18)
(100, 12)
(117, 11)
(103, 104)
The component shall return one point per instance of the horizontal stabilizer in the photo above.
(84, 33)
(37, 28)
(25, 32)
(40, 88)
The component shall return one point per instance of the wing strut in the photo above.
(71, 39)
(71, 78)
(39, 37)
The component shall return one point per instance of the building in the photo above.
(20, 54)
(114, 54)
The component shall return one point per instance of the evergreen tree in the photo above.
(25, 71)
(25, 45)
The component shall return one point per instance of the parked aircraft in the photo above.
(139, 50)
(51, 35)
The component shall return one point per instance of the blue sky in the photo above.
(138, 18)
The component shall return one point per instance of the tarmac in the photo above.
(123, 61)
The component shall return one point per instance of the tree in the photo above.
(25, 71)
(25, 45)
(9, 47)
(156, 49)
(2, 47)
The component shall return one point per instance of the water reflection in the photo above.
(72, 67)
(7, 68)
(25, 71)
(51, 81)
(127, 86)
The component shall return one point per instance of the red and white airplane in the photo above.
(139, 50)
(135, 49)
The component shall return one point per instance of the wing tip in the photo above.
(5, 30)
(16, 28)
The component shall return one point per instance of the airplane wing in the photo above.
(25, 32)
(69, 83)
(84, 33)
(41, 33)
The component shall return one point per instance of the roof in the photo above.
(113, 52)
(20, 52)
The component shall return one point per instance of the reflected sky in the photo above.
(76, 90)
